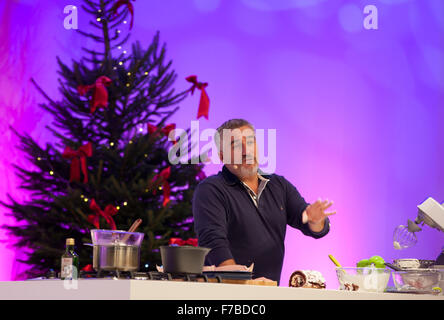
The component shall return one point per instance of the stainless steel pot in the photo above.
(116, 250)
(116, 257)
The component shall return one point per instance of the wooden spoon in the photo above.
(133, 228)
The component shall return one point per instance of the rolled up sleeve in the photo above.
(211, 222)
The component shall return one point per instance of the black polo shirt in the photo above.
(227, 220)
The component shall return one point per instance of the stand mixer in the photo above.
(430, 212)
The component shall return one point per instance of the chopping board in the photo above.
(256, 282)
(252, 282)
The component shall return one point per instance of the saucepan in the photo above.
(183, 259)
(116, 250)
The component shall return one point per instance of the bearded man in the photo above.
(241, 213)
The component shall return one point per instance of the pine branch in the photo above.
(94, 7)
(119, 20)
(90, 35)
(121, 43)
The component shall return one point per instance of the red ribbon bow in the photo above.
(78, 160)
(109, 211)
(100, 94)
(164, 175)
(88, 268)
(204, 102)
(165, 130)
(181, 242)
(130, 7)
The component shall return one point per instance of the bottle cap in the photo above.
(70, 241)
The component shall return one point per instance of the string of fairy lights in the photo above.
(83, 197)
(53, 172)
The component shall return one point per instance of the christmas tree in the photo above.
(108, 165)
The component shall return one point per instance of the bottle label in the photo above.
(67, 268)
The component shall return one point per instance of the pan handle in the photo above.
(393, 266)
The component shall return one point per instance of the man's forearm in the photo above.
(227, 262)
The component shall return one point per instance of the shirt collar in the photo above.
(229, 178)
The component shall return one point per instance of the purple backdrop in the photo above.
(358, 112)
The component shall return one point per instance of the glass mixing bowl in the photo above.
(419, 280)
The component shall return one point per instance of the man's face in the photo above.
(239, 151)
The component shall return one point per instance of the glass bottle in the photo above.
(70, 262)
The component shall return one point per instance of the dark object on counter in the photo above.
(51, 274)
(183, 260)
(232, 275)
(440, 259)
(425, 264)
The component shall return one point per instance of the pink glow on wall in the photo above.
(358, 112)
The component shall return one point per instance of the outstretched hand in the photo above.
(316, 212)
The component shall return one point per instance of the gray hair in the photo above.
(230, 124)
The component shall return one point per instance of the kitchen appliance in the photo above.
(148, 275)
(430, 212)
(116, 250)
(211, 277)
(408, 264)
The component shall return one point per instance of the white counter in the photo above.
(108, 289)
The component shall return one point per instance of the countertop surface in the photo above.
(128, 289)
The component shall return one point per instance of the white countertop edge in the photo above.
(108, 289)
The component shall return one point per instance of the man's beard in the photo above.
(249, 172)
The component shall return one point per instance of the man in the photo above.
(242, 214)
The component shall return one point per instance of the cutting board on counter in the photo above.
(256, 282)
(251, 282)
